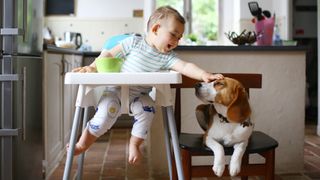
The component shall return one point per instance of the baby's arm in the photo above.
(193, 71)
(104, 53)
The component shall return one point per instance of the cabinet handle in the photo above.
(24, 106)
(64, 66)
(61, 67)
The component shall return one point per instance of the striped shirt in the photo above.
(140, 57)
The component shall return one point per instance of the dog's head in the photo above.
(227, 92)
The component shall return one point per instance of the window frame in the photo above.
(188, 15)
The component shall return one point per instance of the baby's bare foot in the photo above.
(134, 154)
(78, 149)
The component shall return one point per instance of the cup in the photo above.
(108, 64)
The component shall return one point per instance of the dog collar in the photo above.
(223, 119)
(246, 123)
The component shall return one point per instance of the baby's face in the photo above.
(168, 35)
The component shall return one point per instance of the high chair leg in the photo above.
(72, 142)
(81, 156)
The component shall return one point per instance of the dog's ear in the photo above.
(239, 109)
(204, 115)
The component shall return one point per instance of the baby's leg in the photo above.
(143, 110)
(84, 142)
(106, 114)
(134, 151)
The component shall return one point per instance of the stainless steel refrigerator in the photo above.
(21, 123)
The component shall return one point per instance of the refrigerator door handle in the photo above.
(24, 106)
(25, 20)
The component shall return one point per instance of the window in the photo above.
(201, 17)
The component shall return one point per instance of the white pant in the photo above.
(108, 110)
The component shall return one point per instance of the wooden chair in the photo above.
(192, 144)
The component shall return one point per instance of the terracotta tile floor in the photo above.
(107, 158)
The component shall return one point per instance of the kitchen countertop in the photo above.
(55, 49)
(241, 48)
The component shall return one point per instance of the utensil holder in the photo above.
(264, 31)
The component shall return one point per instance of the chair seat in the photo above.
(259, 142)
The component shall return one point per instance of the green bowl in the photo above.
(108, 64)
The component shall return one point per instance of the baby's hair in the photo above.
(163, 13)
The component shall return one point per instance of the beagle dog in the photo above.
(225, 119)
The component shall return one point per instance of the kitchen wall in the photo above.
(107, 8)
(95, 31)
(97, 20)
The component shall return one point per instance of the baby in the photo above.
(149, 53)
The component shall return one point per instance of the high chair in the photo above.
(160, 80)
(192, 144)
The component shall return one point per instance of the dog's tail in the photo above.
(204, 115)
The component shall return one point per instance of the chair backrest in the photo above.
(115, 40)
(248, 81)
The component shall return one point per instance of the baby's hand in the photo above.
(85, 69)
(208, 77)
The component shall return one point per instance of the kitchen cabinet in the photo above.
(53, 109)
(59, 100)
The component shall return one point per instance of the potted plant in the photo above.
(192, 38)
(212, 38)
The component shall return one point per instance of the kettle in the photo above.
(74, 38)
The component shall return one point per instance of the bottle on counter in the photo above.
(276, 39)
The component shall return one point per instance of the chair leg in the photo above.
(186, 164)
(245, 162)
(270, 162)
(174, 169)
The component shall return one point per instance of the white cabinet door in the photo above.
(53, 109)
(70, 92)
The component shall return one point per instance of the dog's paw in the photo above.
(218, 169)
(234, 168)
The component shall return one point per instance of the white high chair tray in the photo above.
(143, 78)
